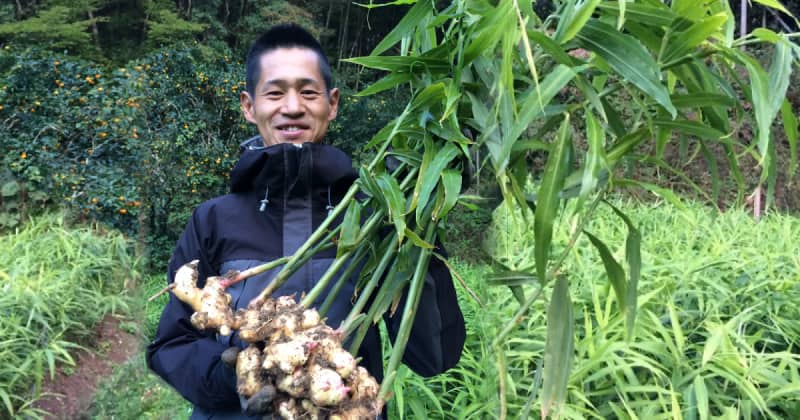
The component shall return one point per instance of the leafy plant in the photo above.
(523, 89)
(57, 282)
(716, 335)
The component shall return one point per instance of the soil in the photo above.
(70, 393)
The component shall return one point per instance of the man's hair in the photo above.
(287, 35)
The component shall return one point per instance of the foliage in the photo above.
(57, 281)
(133, 392)
(550, 89)
(137, 147)
(166, 27)
(717, 334)
(62, 27)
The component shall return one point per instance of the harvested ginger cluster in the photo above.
(294, 365)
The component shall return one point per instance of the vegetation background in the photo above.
(126, 113)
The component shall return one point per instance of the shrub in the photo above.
(136, 147)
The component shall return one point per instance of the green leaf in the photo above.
(532, 107)
(628, 57)
(615, 272)
(790, 129)
(775, 4)
(701, 395)
(511, 278)
(416, 240)
(385, 83)
(558, 350)
(680, 43)
(595, 155)
(429, 96)
(396, 202)
(701, 99)
(451, 179)
(351, 227)
(488, 35)
(547, 198)
(766, 35)
(430, 176)
(693, 128)
(400, 64)
(624, 145)
(664, 193)
(621, 18)
(9, 189)
(780, 72)
(7, 401)
(369, 186)
(406, 27)
(633, 256)
(573, 17)
(647, 14)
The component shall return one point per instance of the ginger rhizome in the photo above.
(294, 365)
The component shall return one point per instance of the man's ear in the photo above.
(333, 101)
(246, 103)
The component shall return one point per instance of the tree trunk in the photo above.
(189, 10)
(743, 18)
(95, 32)
(343, 36)
(328, 15)
(19, 10)
(227, 14)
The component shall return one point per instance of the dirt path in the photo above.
(70, 393)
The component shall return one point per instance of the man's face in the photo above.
(290, 103)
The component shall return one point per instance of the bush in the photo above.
(57, 283)
(136, 147)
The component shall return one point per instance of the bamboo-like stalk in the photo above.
(250, 272)
(322, 283)
(409, 312)
(377, 275)
(523, 309)
(355, 261)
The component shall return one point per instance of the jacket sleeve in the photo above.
(184, 357)
(438, 333)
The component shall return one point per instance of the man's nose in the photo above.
(292, 103)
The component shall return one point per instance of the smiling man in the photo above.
(289, 95)
(285, 181)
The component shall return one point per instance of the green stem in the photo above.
(322, 240)
(523, 309)
(409, 312)
(254, 271)
(331, 297)
(388, 256)
(366, 230)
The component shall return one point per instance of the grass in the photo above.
(716, 335)
(133, 392)
(57, 282)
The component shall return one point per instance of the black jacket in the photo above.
(279, 195)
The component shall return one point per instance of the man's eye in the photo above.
(274, 94)
(309, 93)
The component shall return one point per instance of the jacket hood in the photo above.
(287, 167)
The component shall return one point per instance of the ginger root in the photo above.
(294, 364)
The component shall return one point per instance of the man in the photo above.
(285, 180)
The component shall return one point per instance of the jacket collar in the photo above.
(288, 169)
